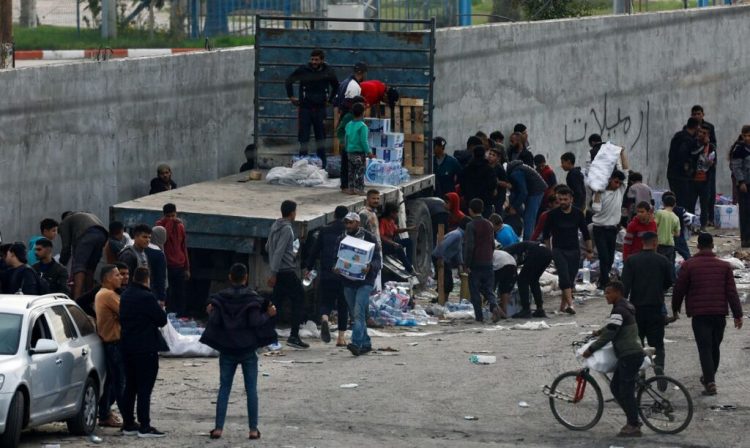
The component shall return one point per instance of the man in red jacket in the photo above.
(178, 263)
(706, 283)
(642, 222)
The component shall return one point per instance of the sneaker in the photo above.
(275, 347)
(354, 349)
(523, 314)
(129, 430)
(630, 431)
(539, 313)
(710, 390)
(365, 350)
(570, 310)
(325, 332)
(296, 342)
(151, 433)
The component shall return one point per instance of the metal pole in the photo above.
(6, 33)
(78, 17)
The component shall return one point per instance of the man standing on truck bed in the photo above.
(317, 88)
(284, 280)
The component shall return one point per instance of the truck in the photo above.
(228, 219)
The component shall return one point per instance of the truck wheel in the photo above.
(14, 423)
(84, 422)
(418, 215)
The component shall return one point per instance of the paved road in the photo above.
(418, 397)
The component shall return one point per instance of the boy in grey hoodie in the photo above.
(284, 280)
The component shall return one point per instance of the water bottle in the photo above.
(309, 278)
(482, 359)
(586, 271)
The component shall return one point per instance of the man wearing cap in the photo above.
(317, 87)
(357, 292)
(646, 276)
(349, 88)
(706, 284)
(445, 167)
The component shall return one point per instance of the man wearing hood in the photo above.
(237, 325)
(357, 292)
(317, 88)
(478, 181)
(527, 191)
(282, 261)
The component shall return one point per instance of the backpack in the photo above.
(41, 283)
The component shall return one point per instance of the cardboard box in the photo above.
(727, 217)
(390, 154)
(393, 140)
(355, 250)
(352, 271)
(378, 124)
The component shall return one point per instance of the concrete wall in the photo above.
(632, 79)
(87, 135)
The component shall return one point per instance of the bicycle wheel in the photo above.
(667, 409)
(576, 400)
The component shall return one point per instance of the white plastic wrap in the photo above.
(602, 167)
(604, 360)
(185, 345)
(302, 173)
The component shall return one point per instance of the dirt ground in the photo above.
(420, 395)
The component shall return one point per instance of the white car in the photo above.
(52, 365)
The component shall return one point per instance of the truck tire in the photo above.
(418, 216)
(14, 423)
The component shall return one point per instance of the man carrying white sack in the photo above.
(357, 292)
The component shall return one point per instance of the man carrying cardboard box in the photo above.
(357, 292)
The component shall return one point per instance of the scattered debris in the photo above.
(413, 344)
(387, 349)
(541, 325)
(482, 359)
(470, 417)
(523, 404)
(724, 407)
(349, 386)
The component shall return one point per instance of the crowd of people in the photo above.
(506, 216)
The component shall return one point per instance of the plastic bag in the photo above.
(602, 166)
(603, 360)
(183, 345)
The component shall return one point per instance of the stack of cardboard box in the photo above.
(387, 145)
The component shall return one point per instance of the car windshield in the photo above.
(10, 333)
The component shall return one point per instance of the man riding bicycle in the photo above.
(622, 330)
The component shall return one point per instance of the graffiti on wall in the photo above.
(626, 128)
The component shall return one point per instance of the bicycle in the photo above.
(576, 400)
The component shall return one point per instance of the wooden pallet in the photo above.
(409, 119)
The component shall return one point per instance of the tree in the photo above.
(28, 14)
(554, 9)
(505, 8)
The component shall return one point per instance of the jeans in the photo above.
(176, 293)
(315, 117)
(481, 283)
(650, 322)
(605, 239)
(227, 368)
(537, 261)
(505, 279)
(403, 255)
(358, 300)
(330, 294)
(531, 207)
(743, 200)
(114, 386)
(669, 252)
(681, 247)
(680, 186)
(447, 275)
(140, 376)
(709, 332)
(567, 262)
(288, 285)
(622, 385)
(700, 191)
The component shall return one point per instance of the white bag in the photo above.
(602, 166)
(183, 345)
(603, 360)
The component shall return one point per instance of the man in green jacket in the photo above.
(621, 330)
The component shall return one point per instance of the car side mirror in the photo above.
(44, 346)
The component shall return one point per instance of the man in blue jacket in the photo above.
(526, 195)
(140, 344)
(357, 292)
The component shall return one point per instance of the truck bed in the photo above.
(228, 213)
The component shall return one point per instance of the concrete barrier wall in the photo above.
(87, 135)
(632, 79)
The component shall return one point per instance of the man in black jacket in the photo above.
(19, 277)
(317, 88)
(237, 326)
(680, 167)
(53, 272)
(697, 113)
(478, 181)
(574, 180)
(140, 344)
(646, 276)
(330, 290)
